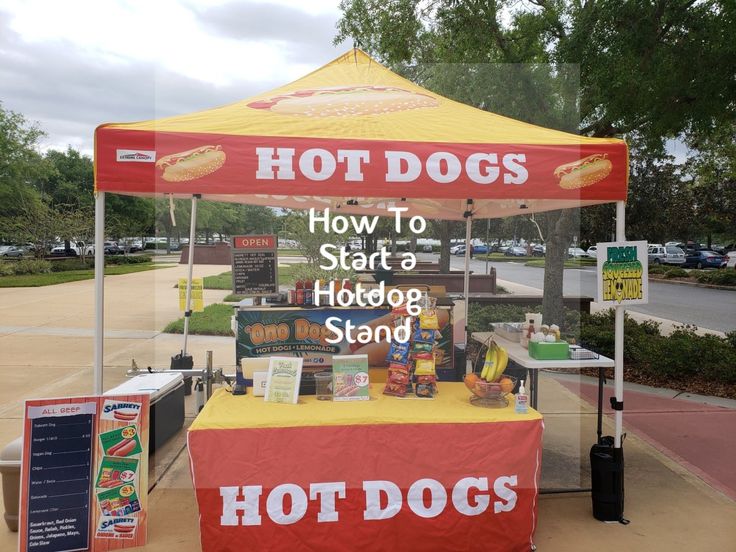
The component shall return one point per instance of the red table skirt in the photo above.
(383, 487)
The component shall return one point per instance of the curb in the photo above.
(692, 284)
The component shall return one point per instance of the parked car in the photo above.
(731, 259)
(665, 254)
(427, 248)
(705, 259)
(112, 248)
(458, 249)
(135, 246)
(577, 253)
(480, 249)
(593, 251)
(516, 251)
(4, 248)
(539, 250)
(75, 249)
(14, 251)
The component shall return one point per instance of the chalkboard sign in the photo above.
(59, 475)
(84, 474)
(255, 265)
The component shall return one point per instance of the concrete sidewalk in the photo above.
(46, 345)
(697, 434)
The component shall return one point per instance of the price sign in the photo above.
(59, 475)
(255, 265)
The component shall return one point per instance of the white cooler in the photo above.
(166, 390)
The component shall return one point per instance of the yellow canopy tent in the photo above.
(354, 136)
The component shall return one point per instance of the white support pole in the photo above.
(466, 280)
(192, 239)
(619, 332)
(99, 345)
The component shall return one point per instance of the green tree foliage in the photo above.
(648, 70)
(21, 165)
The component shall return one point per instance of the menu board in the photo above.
(59, 475)
(255, 265)
(84, 473)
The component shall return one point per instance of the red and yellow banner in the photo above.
(354, 129)
(467, 485)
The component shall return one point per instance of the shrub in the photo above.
(482, 316)
(723, 277)
(71, 264)
(131, 259)
(656, 269)
(6, 268)
(27, 266)
(306, 271)
(676, 273)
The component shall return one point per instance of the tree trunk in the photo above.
(393, 244)
(558, 238)
(413, 243)
(168, 243)
(444, 232)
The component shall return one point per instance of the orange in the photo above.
(507, 385)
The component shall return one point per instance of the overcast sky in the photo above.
(73, 64)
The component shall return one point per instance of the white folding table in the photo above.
(520, 356)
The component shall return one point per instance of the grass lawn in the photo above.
(53, 278)
(225, 280)
(572, 263)
(290, 253)
(501, 258)
(214, 320)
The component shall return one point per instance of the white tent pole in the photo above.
(99, 344)
(619, 332)
(466, 281)
(192, 239)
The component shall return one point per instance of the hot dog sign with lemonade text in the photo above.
(84, 475)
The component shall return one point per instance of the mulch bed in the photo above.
(698, 386)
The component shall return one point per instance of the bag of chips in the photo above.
(428, 320)
(424, 336)
(424, 367)
(395, 389)
(418, 348)
(398, 353)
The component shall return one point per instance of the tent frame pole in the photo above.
(99, 344)
(466, 280)
(190, 270)
(619, 333)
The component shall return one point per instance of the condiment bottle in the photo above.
(309, 292)
(299, 292)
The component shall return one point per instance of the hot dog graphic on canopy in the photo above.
(345, 101)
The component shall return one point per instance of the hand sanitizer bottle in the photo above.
(522, 400)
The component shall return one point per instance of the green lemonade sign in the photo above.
(623, 273)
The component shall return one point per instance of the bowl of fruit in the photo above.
(489, 393)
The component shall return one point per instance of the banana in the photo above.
(491, 361)
(501, 363)
(488, 364)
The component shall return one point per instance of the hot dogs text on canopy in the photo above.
(318, 164)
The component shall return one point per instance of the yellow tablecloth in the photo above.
(450, 405)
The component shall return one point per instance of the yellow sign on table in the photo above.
(197, 294)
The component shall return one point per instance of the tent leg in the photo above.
(619, 332)
(190, 267)
(99, 344)
(466, 280)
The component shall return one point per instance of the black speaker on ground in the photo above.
(607, 475)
